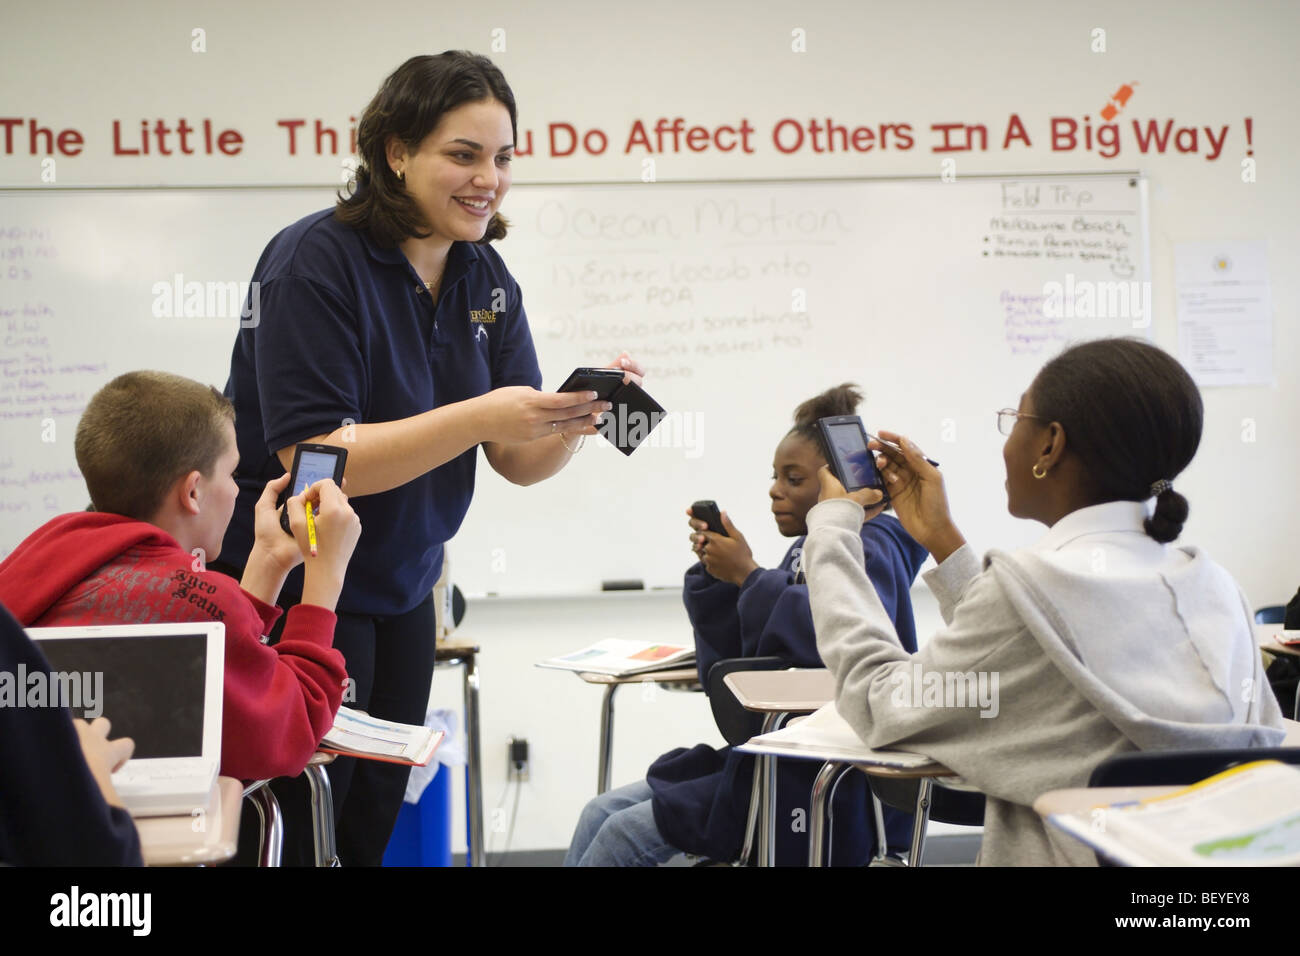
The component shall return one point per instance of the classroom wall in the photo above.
(597, 66)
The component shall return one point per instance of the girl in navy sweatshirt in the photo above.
(695, 800)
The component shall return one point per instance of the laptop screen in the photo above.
(152, 686)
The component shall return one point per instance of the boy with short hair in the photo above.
(158, 455)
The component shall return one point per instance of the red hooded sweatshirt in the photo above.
(94, 568)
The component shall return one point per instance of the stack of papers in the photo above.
(825, 735)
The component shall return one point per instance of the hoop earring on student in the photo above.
(1036, 473)
(401, 175)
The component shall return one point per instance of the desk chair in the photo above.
(820, 812)
(1271, 614)
(1180, 767)
(1283, 673)
(926, 800)
(738, 725)
(271, 822)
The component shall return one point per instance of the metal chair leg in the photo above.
(751, 819)
(767, 834)
(882, 857)
(603, 771)
(920, 821)
(256, 803)
(821, 789)
(474, 768)
(322, 816)
(270, 824)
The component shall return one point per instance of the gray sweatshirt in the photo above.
(1096, 641)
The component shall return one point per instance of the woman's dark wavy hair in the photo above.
(409, 105)
(1133, 416)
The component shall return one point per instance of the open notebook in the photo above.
(1246, 816)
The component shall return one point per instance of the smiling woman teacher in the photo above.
(388, 325)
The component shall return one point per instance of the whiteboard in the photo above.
(742, 299)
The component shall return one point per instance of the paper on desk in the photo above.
(1225, 312)
(825, 735)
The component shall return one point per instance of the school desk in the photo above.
(210, 836)
(465, 654)
(1080, 801)
(681, 678)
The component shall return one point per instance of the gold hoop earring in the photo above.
(401, 173)
(1036, 473)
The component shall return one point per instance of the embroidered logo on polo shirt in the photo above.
(483, 316)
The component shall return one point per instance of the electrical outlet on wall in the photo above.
(517, 758)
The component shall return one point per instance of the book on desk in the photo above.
(621, 658)
(1246, 816)
(357, 734)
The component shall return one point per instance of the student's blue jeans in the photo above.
(618, 828)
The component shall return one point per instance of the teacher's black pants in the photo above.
(390, 663)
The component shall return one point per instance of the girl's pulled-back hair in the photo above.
(840, 400)
(1133, 416)
(409, 105)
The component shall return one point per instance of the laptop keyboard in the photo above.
(126, 776)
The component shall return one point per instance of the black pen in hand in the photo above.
(932, 462)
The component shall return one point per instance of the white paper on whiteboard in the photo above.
(1225, 312)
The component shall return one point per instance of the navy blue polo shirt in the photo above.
(347, 331)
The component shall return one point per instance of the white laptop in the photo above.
(159, 684)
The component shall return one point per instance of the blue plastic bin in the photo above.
(422, 836)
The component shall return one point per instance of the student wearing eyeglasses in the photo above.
(1105, 638)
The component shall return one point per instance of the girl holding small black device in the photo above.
(1103, 638)
(695, 800)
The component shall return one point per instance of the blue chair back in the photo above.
(1272, 614)
(1180, 767)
